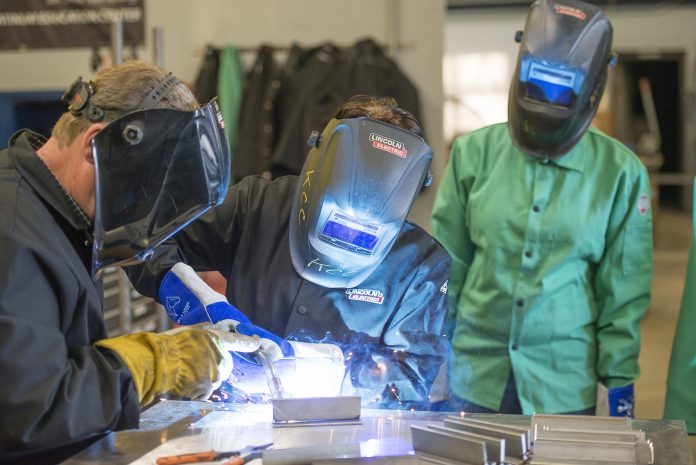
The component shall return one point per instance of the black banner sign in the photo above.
(68, 23)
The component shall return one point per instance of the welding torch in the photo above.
(274, 383)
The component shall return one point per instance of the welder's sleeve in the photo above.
(56, 390)
(186, 362)
(622, 283)
(207, 244)
(449, 217)
(399, 370)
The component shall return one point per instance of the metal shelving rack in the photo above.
(126, 311)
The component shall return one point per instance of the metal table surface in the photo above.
(175, 427)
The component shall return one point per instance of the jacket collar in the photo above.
(22, 150)
(573, 160)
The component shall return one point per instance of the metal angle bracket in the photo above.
(582, 422)
(495, 447)
(516, 440)
(600, 452)
(449, 446)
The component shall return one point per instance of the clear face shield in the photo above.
(156, 170)
(356, 188)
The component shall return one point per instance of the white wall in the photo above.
(188, 26)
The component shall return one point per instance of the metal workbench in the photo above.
(175, 427)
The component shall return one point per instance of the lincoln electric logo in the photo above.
(372, 296)
(388, 145)
(570, 11)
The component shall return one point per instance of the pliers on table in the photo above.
(238, 457)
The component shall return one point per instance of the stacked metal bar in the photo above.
(550, 440)
(581, 440)
(471, 441)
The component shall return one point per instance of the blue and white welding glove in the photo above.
(189, 300)
(616, 401)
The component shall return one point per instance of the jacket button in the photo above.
(519, 302)
(536, 208)
(528, 254)
(302, 310)
(514, 347)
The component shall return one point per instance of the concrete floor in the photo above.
(672, 241)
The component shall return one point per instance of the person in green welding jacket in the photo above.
(681, 400)
(549, 227)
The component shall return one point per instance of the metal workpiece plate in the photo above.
(395, 460)
(302, 424)
(429, 459)
(359, 452)
(311, 409)
(515, 438)
(449, 446)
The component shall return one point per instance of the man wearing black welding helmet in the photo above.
(132, 161)
(548, 224)
(328, 257)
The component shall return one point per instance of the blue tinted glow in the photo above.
(334, 231)
(549, 93)
(550, 84)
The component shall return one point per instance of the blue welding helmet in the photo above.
(156, 170)
(357, 185)
(560, 76)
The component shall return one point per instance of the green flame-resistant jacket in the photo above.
(680, 402)
(551, 268)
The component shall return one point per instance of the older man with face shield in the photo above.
(327, 257)
(132, 161)
(549, 227)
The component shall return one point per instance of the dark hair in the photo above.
(383, 109)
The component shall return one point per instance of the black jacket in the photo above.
(281, 107)
(258, 117)
(396, 318)
(58, 393)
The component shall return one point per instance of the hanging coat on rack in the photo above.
(324, 79)
(372, 72)
(230, 85)
(258, 117)
(206, 82)
(310, 97)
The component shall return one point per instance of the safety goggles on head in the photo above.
(79, 95)
(356, 188)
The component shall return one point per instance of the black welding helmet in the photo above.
(156, 170)
(356, 188)
(560, 76)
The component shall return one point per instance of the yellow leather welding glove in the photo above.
(185, 362)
